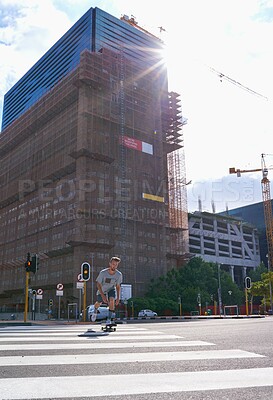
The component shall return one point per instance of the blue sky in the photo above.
(228, 126)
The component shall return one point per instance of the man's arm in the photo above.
(118, 294)
(104, 298)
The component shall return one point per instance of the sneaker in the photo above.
(94, 316)
(108, 322)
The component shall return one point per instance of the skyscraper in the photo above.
(92, 162)
(94, 31)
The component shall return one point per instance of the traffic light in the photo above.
(50, 302)
(85, 271)
(247, 282)
(34, 263)
(28, 263)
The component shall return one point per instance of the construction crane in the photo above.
(236, 83)
(266, 203)
(132, 21)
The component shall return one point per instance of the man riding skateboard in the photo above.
(108, 284)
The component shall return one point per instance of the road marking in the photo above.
(90, 343)
(72, 336)
(76, 387)
(66, 330)
(51, 338)
(125, 357)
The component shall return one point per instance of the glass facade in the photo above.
(95, 30)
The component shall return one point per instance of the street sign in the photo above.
(125, 291)
(40, 291)
(60, 286)
(79, 285)
(80, 278)
(59, 292)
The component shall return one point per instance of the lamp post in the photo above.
(270, 285)
(219, 292)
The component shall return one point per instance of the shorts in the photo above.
(111, 293)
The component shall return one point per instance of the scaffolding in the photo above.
(95, 166)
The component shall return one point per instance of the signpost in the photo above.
(39, 296)
(80, 285)
(59, 293)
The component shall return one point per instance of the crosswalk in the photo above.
(54, 362)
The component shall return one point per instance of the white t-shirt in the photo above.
(109, 281)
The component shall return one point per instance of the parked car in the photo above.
(101, 315)
(147, 313)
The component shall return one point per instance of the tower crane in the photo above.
(236, 83)
(266, 203)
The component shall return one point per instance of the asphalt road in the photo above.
(199, 359)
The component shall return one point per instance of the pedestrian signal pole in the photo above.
(180, 305)
(247, 286)
(27, 267)
(85, 273)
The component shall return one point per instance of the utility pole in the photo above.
(219, 292)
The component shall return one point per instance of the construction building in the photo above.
(92, 164)
(228, 241)
(253, 214)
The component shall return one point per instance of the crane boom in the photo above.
(268, 217)
(236, 83)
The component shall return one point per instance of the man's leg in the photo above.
(111, 313)
(96, 306)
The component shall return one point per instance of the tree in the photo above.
(256, 274)
(197, 277)
(261, 289)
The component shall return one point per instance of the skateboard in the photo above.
(109, 327)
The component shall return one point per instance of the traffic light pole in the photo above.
(84, 301)
(246, 296)
(26, 297)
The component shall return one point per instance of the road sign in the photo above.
(40, 291)
(59, 292)
(125, 291)
(60, 286)
(80, 278)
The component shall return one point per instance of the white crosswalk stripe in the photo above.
(65, 387)
(125, 357)
(127, 338)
